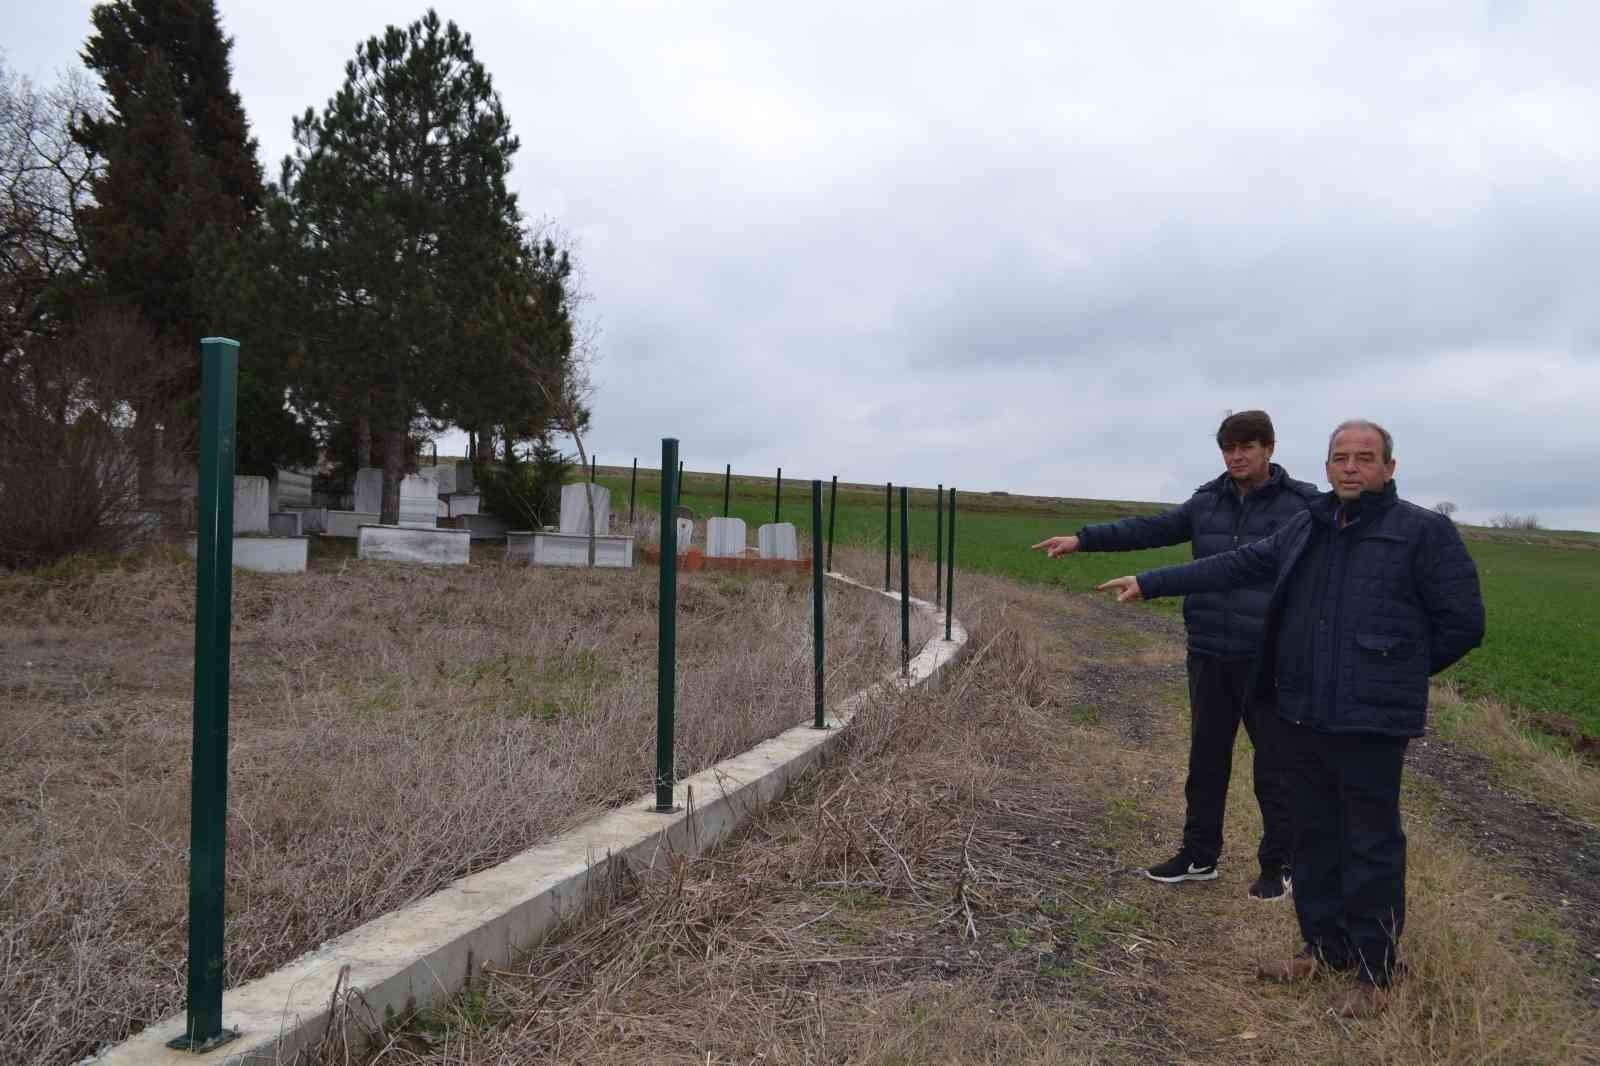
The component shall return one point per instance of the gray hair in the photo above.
(1362, 423)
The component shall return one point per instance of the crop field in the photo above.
(1542, 590)
(1542, 649)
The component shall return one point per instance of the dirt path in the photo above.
(963, 886)
(1557, 855)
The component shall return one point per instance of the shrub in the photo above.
(525, 492)
(81, 437)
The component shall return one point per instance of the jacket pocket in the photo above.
(1391, 679)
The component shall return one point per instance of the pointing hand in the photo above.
(1056, 547)
(1126, 588)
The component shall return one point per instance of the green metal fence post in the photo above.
(833, 501)
(208, 792)
(818, 722)
(677, 490)
(938, 546)
(727, 488)
(905, 583)
(950, 567)
(633, 484)
(667, 659)
(777, 500)
(888, 531)
(594, 463)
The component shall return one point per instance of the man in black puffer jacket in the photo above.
(1252, 499)
(1371, 595)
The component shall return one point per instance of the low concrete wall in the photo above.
(348, 523)
(266, 555)
(567, 549)
(425, 953)
(404, 544)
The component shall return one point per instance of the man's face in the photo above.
(1355, 463)
(1247, 462)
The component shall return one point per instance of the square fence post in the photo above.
(208, 794)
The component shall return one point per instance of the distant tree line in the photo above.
(384, 287)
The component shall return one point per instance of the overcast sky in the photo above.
(1043, 248)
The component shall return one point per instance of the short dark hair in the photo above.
(1242, 427)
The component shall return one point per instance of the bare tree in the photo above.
(1446, 508)
(44, 185)
(1510, 520)
(69, 468)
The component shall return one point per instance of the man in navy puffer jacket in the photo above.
(1252, 499)
(1371, 595)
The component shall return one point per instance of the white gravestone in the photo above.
(250, 505)
(725, 538)
(464, 482)
(465, 503)
(575, 512)
(444, 476)
(291, 489)
(778, 541)
(285, 523)
(369, 490)
(419, 501)
(685, 534)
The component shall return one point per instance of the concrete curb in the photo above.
(429, 950)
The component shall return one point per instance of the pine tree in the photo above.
(404, 231)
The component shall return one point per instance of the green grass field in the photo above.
(1542, 649)
(1543, 599)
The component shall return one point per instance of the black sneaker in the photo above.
(1272, 886)
(1181, 867)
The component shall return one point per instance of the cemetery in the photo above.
(394, 727)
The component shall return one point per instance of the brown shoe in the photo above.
(1362, 1001)
(1287, 971)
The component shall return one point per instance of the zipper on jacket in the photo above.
(1335, 645)
(1227, 597)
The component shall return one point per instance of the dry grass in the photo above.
(958, 887)
(393, 728)
(1547, 770)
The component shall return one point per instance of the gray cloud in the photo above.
(1046, 249)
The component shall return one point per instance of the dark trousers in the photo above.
(1218, 702)
(1349, 849)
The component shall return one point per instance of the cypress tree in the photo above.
(177, 202)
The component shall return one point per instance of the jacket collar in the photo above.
(1325, 508)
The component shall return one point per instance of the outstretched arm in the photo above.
(1249, 565)
(1141, 531)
